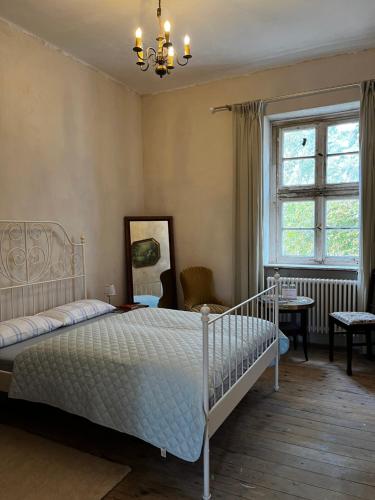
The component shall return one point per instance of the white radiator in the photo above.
(330, 295)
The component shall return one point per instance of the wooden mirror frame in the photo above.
(128, 257)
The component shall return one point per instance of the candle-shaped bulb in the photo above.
(167, 32)
(138, 39)
(170, 62)
(187, 46)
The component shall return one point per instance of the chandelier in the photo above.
(164, 56)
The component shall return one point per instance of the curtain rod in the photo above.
(228, 107)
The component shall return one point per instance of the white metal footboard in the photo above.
(237, 347)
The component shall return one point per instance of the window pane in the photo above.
(343, 138)
(342, 168)
(342, 242)
(298, 214)
(342, 213)
(298, 143)
(298, 172)
(298, 242)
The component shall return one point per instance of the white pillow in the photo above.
(19, 329)
(78, 311)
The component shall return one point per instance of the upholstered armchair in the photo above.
(198, 287)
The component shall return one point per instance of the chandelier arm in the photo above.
(145, 67)
(180, 63)
(152, 57)
(143, 59)
(150, 52)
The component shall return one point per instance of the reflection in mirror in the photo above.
(150, 261)
(150, 257)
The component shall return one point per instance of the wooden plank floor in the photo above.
(315, 439)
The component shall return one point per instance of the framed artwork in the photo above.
(145, 252)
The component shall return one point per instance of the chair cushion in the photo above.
(214, 308)
(354, 318)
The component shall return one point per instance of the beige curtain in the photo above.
(367, 145)
(248, 199)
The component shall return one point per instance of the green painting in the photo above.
(145, 253)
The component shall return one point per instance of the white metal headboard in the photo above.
(40, 267)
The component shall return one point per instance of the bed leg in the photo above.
(206, 466)
(205, 311)
(277, 372)
(277, 291)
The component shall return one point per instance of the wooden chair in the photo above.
(354, 323)
(198, 287)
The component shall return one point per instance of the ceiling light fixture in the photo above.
(164, 56)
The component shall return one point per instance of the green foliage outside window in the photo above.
(341, 215)
(299, 143)
(343, 138)
(300, 217)
(342, 221)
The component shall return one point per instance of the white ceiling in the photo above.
(229, 37)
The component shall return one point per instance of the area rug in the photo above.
(34, 468)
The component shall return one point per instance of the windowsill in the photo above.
(312, 266)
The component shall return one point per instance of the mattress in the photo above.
(9, 353)
(161, 317)
(139, 373)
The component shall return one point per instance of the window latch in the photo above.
(319, 226)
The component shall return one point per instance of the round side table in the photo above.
(296, 307)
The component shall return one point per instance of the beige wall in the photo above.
(191, 177)
(70, 150)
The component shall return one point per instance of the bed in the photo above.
(168, 377)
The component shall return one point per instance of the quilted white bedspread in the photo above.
(138, 373)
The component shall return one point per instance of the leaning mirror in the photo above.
(150, 264)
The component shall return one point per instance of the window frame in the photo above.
(319, 192)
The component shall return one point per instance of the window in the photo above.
(315, 191)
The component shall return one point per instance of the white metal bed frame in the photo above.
(40, 261)
(244, 325)
(40, 265)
